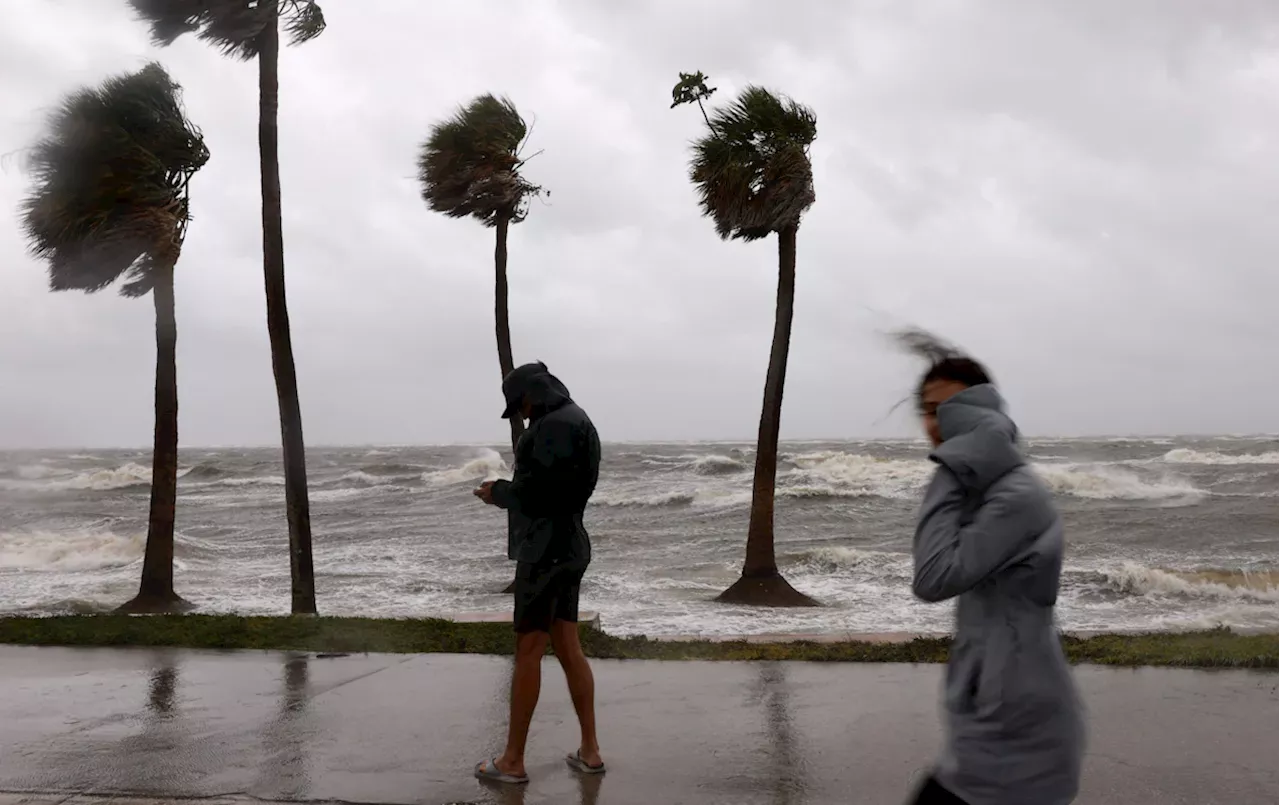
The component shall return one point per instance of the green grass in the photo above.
(1217, 648)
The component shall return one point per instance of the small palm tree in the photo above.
(250, 29)
(470, 166)
(753, 177)
(110, 201)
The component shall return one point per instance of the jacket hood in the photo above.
(979, 441)
(544, 389)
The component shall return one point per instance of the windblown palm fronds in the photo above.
(110, 195)
(470, 163)
(232, 26)
(752, 168)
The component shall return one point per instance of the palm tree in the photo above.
(250, 29)
(470, 166)
(754, 179)
(110, 201)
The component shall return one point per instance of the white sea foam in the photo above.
(487, 466)
(1184, 455)
(334, 495)
(68, 551)
(362, 477)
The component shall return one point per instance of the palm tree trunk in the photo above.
(506, 361)
(155, 593)
(298, 509)
(501, 324)
(761, 583)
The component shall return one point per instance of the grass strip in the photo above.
(1217, 648)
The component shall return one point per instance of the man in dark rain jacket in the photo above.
(557, 463)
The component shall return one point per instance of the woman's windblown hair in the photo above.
(926, 345)
(945, 360)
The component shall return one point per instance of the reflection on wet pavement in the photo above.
(787, 772)
(496, 712)
(283, 769)
(588, 793)
(160, 697)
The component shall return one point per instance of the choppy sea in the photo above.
(1162, 533)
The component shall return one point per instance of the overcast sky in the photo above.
(1083, 194)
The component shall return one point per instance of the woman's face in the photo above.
(933, 394)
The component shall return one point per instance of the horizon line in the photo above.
(1143, 437)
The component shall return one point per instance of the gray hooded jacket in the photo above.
(990, 536)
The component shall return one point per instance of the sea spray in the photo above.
(488, 465)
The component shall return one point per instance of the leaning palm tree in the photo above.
(250, 29)
(470, 166)
(110, 201)
(754, 179)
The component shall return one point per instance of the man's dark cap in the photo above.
(517, 383)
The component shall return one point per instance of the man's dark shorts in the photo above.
(931, 792)
(546, 592)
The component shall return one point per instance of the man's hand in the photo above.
(485, 492)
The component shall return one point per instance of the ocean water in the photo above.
(1162, 533)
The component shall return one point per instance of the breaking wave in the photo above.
(718, 465)
(392, 469)
(69, 551)
(836, 559)
(40, 478)
(487, 466)
(71, 606)
(622, 499)
(832, 473)
(1101, 482)
(1183, 455)
(130, 474)
(364, 478)
(255, 480)
(203, 471)
(1123, 577)
(37, 478)
(1131, 578)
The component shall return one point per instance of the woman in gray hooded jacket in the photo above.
(990, 537)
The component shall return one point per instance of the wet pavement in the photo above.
(408, 729)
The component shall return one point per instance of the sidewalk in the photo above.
(169, 725)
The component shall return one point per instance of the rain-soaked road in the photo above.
(407, 729)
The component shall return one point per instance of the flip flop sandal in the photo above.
(576, 763)
(488, 770)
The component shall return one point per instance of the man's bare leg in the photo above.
(582, 685)
(526, 684)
